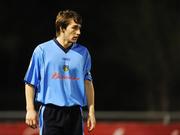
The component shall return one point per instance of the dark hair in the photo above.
(63, 19)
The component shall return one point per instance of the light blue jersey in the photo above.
(58, 76)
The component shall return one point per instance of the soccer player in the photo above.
(59, 78)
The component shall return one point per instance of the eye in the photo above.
(76, 27)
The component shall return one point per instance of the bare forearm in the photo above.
(31, 114)
(91, 121)
(29, 94)
(90, 95)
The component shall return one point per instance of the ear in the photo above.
(62, 30)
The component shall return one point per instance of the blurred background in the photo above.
(134, 45)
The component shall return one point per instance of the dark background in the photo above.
(135, 49)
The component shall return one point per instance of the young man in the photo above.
(59, 78)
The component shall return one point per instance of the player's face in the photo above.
(72, 32)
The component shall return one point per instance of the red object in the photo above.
(133, 128)
(102, 128)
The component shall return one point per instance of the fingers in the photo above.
(91, 127)
(31, 118)
(91, 122)
(88, 123)
(31, 123)
(34, 124)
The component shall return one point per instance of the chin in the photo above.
(73, 41)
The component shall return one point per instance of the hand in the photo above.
(91, 122)
(31, 118)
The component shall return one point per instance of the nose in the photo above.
(78, 31)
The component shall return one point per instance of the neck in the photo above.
(63, 42)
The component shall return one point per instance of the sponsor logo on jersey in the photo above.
(66, 64)
(66, 68)
(56, 75)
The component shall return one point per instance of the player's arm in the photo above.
(91, 121)
(31, 114)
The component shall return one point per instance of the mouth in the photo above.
(75, 38)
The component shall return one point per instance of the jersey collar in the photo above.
(64, 49)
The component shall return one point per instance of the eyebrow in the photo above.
(77, 25)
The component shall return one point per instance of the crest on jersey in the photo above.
(66, 68)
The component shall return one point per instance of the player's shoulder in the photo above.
(43, 46)
(81, 47)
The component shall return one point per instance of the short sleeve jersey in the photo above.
(58, 76)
